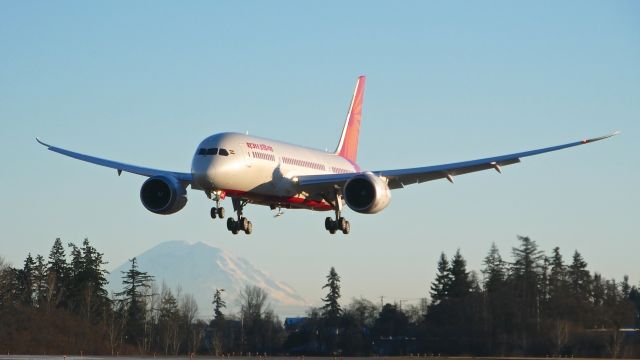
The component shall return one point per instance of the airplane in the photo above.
(261, 171)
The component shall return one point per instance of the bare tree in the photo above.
(115, 324)
(188, 312)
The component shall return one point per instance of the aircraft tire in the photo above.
(220, 212)
(249, 228)
(213, 213)
(346, 228)
(342, 223)
(243, 224)
(328, 223)
(231, 224)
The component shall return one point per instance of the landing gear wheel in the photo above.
(328, 223)
(243, 224)
(342, 223)
(220, 212)
(332, 231)
(231, 224)
(214, 212)
(346, 227)
(249, 228)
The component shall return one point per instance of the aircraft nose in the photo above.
(199, 170)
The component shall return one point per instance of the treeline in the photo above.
(60, 306)
(534, 305)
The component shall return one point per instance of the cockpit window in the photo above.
(215, 151)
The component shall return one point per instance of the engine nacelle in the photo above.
(163, 194)
(366, 193)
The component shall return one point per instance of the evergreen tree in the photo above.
(41, 286)
(494, 270)
(75, 280)
(134, 282)
(26, 281)
(497, 300)
(57, 275)
(95, 297)
(218, 305)
(580, 285)
(625, 287)
(526, 273)
(460, 284)
(218, 321)
(558, 305)
(598, 293)
(557, 275)
(331, 309)
(579, 277)
(440, 286)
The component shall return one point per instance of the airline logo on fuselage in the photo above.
(263, 147)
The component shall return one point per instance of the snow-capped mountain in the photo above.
(201, 268)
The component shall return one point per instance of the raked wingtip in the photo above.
(42, 143)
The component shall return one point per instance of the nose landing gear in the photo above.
(217, 211)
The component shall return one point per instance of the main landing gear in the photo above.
(242, 224)
(339, 223)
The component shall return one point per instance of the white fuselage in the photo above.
(262, 171)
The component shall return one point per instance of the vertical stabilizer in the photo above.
(348, 145)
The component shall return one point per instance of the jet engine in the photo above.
(366, 193)
(163, 194)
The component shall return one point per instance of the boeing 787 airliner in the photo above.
(254, 170)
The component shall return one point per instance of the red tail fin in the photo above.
(348, 145)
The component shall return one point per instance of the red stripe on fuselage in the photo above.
(282, 201)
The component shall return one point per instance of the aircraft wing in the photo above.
(399, 178)
(120, 167)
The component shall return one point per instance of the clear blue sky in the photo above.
(144, 82)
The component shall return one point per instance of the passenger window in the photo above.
(202, 151)
(212, 151)
(223, 152)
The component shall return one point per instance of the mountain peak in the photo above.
(199, 268)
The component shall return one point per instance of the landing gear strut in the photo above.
(242, 224)
(339, 223)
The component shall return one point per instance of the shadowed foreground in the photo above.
(43, 357)
(536, 305)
